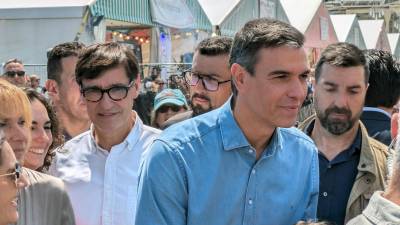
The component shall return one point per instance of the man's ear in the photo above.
(238, 76)
(137, 85)
(52, 89)
(394, 125)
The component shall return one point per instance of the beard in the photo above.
(199, 109)
(337, 126)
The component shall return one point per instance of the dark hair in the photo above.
(257, 34)
(98, 58)
(55, 126)
(56, 54)
(262, 33)
(214, 46)
(384, 79)
(342, 55)
(15, 60)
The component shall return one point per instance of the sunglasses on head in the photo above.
(165, 108)
(12, 73)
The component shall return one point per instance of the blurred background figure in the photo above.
(10, 183)
(46, 133)
(167, 103)
(63, 90)
(44, 201)
(382, 94)
(14, 72)
(35, 83)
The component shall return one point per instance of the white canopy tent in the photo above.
(348, 30)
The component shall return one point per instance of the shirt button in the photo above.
(250, 202)
(325, 194)
(253, 171)
(329, 166)
(250, 150)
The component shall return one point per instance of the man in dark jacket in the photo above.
(382, 94)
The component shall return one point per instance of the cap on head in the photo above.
(169, 96)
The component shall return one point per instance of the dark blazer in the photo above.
(378, 126)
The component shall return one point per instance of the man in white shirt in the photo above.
(99, 167)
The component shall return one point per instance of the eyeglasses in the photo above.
(116, 93)
(209, 83)
(165, 108)
(12, 73)
(14, 175)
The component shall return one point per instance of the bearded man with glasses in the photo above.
(13, 72)
(208, 79)
(100, 166)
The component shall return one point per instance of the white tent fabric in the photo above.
(371, 30)
(393, 41)
(343, 25)
(18, 4)
(300, 12)
(217, 11)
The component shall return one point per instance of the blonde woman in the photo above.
(44, 201)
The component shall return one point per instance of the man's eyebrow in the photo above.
(278, 72)
(329, 83)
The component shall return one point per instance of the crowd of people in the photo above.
(250, 134)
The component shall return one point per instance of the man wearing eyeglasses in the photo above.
(14, 72)
(241, 163)
(208, 80)
(100, 166)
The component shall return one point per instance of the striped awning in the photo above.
(244, 11)
(133, 11)
(138, 11)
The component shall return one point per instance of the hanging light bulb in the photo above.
(114, 33)
(121, 35)
(147, 41)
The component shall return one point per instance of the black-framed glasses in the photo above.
(13, 73)
(116, 92)
(14, 175)
(165, 108)
(209, 83)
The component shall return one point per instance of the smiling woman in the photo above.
(46, 134)
(44, 201)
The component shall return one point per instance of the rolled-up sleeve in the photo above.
(162, 189)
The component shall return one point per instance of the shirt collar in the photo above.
(130, 140)
(374, 109)
(353, 148)
(232, 135)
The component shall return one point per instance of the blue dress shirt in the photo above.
(204, 171)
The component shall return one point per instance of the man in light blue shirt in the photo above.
(239, 164)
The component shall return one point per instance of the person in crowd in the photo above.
(382, 95)
(394, 125)
(63, 90)
(209, 79)
(167, 103)
(351, 164)
(44, 201)
(45, 132)
(14, 72)
(35, 82)
(241, 163)
(10, 183)
(100, 166)
(384, 206)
